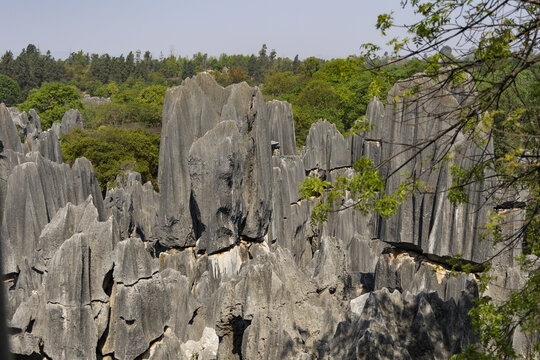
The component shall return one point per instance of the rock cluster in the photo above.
(94, 100)
(224, 262)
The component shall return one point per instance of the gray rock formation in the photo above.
(139, 302)
(66, 308)
(224, 262)
(8, 132)
(216, 169)
(410, 272)
(46, 143)
(429, 221)
(36, 189)
(392, 325)
(71, 119)
(134, 206)
(35, 121)
(189, 112)
(326, 149)
(280, 115)
(95, 101)
(28, 128)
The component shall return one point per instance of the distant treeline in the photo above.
(90, 72)
(337, 90)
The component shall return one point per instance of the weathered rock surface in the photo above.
(35, 121)
(66, 307)
(94, 100)
(46, 143)
(139, 303)
(189, 112)
(71, 119)
(216, 169)
(134, 206)
(273, 310)
(36, 190)
(410, 272)
(224, 262)
(392, 325)
(429, 221)
(280, 115)
(8, 132)
(326, 148)
(28, 128)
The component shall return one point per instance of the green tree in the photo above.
(51, 101)
(10, 92)
(31, 69)
(153, 97)
(7, 63)
(113, 151)
(279, 83)
(309, 66)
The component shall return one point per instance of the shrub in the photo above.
(51, 101)
(113, 151)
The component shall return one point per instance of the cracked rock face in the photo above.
(190, 111)
(392, 325)
(134, 206)
(216, 163)
(326, 149)
(36, 189)
(8, 134)
(67, 311)
(224, 262)
(68, 326)
(46, 143)
(429, 221)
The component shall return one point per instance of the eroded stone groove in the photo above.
(223, 262)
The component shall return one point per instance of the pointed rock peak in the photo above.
(375, 105)
(8, 132)
(35, 120)
(71, 119)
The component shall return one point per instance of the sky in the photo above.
(326, 29)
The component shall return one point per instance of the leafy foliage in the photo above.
(10, 92)
(130, 105)
(31, 68)
(113, 151)
(366, 189)
(51, 101)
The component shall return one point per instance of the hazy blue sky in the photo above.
(326, 29)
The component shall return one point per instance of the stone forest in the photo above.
(225, 262)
